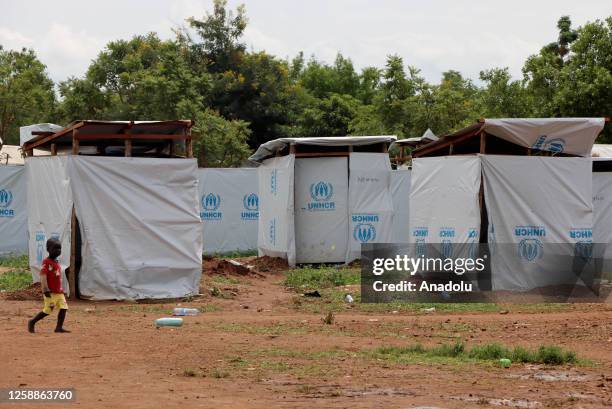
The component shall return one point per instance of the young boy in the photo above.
(51, 284)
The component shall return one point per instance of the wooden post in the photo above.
(72, 279)
(53, 149)
(450, 148)
(385, 148)
(172, 148)
(128, 147)
(189, 144)
(292, 148)
(75, 142)
(484, 224)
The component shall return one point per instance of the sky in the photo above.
(434, 36)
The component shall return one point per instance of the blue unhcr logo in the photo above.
(211, 203)
(420, 232)
(556, 145)
(6, 198)
(581, 233)
(447, 248)
(272, 232)
(472, 242)
(421, 248)
(530, 249)
(583, 250)
(40, 246)
(321, 193)
(529, 231)
(364, 232)
(251, 207)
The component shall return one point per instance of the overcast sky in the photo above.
(434, 36)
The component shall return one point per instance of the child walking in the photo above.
(51, 284)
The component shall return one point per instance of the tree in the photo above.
(395, 91)
(502, 97)
(219, 48)
(26, 93)
(454, 103)
(331, 116)
(218, 142)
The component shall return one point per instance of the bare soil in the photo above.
(254, 347)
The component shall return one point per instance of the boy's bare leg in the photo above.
(61, 316)
(34, 320)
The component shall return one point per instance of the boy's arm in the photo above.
(43, 285)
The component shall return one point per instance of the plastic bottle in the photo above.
(169, 322)
(185, 311)
(505, 363)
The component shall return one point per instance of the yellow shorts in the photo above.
(57, 299)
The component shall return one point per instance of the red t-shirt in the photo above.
(53, 271)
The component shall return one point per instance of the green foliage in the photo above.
(26, 93)
(322, 277)
(545, 354)
(20, 262)
(15, 280)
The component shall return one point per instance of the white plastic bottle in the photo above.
(185, 311)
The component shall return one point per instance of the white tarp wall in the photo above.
(370, 201)
(49, 210)
(602, 215)
(321, 209)
(229, 209)
(533, 202)
(444, 205)
(275, 236)
(140, 226)
(400, 192)
(13, 210)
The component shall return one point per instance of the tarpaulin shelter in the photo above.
(13, 210)
(320, 198)
(129, 226)
(602, 204)
(520, 183)
(229, 209)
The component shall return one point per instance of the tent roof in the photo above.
(104, 130)
(428, 136)
(270, 148)
(573, 136)
(11, 155)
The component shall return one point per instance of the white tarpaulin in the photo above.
(275, 236)
(602, 215)
(13, 210)
(536, 205)
(140, 226)
(321, 208)
(400, 192)
(370, 201)
(444, 204)
(229, 209)
(568, 135)
(49, 210)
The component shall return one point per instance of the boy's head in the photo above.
(54, 248)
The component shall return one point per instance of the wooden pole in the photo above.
(189, 144)
(172, 148)
(127, 143)
(53, 149)
(75, 142)
(72, 277)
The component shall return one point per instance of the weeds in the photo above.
(15, 262)
(321, 277)
(15, 280)
(545, 354)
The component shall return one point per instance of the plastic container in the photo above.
(505, 362)
(169, 322)
(185, 311)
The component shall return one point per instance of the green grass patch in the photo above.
(15, 280)
(317, 278)
(15, 262)
(491, 352)
(219, 279)
(232, 254)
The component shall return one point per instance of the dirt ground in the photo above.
(254, 346)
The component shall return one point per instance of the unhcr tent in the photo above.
(521, 185)
(129, 226)
(13, 210)
(229, 209)
(320, 198)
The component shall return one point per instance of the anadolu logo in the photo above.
(583, 250)
(321, 193)
(530, 249)
(251, 206)
(211, 203)
(364, 232)
(6, 198)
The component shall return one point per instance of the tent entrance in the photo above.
(321, 209)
